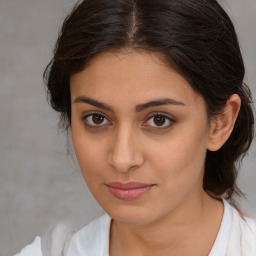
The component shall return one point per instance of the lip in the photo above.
(128, 191)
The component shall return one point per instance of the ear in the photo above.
(222, 125)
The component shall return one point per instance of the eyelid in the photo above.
(88, 114)
(167, 116)
(149, 116)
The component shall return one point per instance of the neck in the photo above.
(177, 233)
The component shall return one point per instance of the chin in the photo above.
(131, 215)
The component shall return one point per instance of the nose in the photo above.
(125, 152)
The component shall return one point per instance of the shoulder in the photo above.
(32, 249)
(243, 235)
(54, 242)
(93, 239)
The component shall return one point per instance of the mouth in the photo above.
(128, 191)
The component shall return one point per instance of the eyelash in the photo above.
(153, 115)
(162, 115)
(84, 119)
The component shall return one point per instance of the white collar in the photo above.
(221, 243)
(93, 239)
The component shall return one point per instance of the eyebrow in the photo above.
(158, 102)
(83, 99)
(138, 108)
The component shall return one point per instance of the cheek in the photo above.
(90, 154)
(90, 166)
(180, 159)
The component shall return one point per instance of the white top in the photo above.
(236, 237)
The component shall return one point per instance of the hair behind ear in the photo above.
(221, 167)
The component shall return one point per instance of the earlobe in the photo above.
(222, 125)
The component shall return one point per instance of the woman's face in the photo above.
(140, 134)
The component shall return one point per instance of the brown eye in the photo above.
(98, 119)
(159, 120)
(95, 120)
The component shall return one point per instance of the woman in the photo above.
(153, 94)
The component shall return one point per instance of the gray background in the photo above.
(39, 183)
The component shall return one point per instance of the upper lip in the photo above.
(128, 185)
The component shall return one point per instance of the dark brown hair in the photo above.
(197, 39)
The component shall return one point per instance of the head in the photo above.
(194, 40)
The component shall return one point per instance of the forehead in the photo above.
(127, 64)
(131, 74)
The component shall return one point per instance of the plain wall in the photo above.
(39, 184)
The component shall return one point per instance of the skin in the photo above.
(127, 144)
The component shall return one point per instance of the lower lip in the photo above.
(128, 194)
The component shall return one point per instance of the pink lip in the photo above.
(128, 191)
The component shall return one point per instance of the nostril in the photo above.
(122, 165)
(124, 161)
